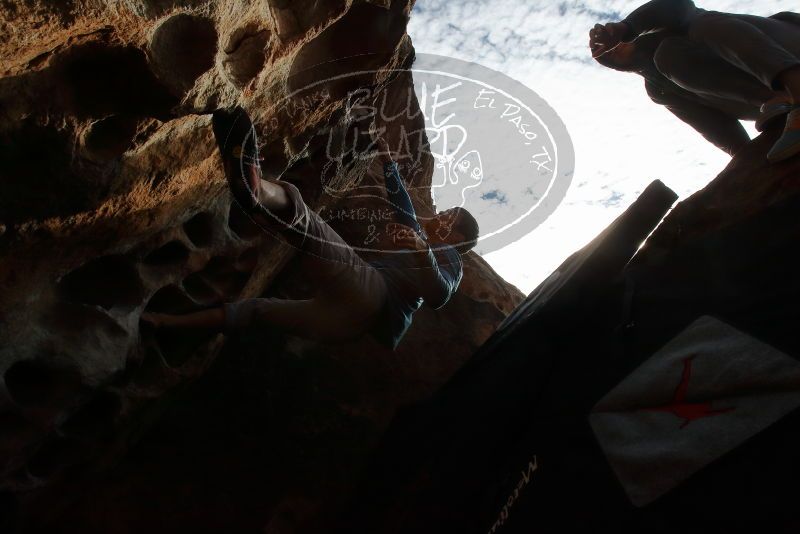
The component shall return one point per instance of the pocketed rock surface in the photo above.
(113, 202)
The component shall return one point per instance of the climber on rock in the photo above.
(712, 69)
(354, 296)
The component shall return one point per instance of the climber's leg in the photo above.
(327, 260)
(698, 69)
(350, 292)
(763, 47)
(769, 50)
(343, 278)
(339, 274)
(274, 205)
(747, 59)
(238, 146)
(320, 319)
(722, 129)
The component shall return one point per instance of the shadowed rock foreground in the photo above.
(524, 433)
(636, 390)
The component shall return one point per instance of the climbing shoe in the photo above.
(238, 144)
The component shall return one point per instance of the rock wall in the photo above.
(112, 201)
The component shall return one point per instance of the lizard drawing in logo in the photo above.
(457, 174)
(467, 172)
(686, 410)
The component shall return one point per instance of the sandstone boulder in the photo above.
(112, 202)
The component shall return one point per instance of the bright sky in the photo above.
(622, 140)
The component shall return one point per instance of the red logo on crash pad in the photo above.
(703, 394)
(683, 409)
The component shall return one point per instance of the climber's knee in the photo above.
(674, 56)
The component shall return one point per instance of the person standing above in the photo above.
(712, 69)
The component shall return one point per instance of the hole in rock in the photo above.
(223, 276)
(177, 347)
(36, 177)
(95, 418)
(182, 48)
(247, 260)
(122, 377)
(171, 253)
(108, 281)
(200, 290)
(12, 425)
(96, 80)
(200, 229)
(244, 54)
(241, 224)
(218, 266)
(159, 178)
(37, 383)
(75, 318)
(53, 455)
(363, 39)
(171, 299)
(15, 433)
(151, 369)
(108, 138)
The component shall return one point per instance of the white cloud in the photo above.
(622, 140)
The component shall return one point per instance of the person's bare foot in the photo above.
(605, 37)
